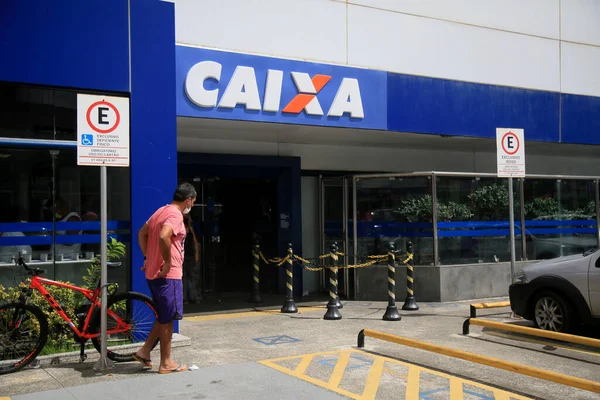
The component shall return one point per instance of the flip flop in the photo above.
(179, 368)
(144, 361)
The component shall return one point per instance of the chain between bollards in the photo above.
(410, 304)
(333, 312)
(391, 313)
(289, 306)
(255, 297)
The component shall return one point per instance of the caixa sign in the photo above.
(242, 89)
(237, 86)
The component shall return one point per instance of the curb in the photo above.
(178, 340)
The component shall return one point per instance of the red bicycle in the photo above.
(24, 327)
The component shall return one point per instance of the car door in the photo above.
(594, 284)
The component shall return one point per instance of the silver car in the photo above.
(559, 294)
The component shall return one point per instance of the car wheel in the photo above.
(552, 312)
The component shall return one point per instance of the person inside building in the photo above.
(63, 213)
(191, 262)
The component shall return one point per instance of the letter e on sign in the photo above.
(102, 130)
(510, 152)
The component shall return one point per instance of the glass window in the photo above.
(49, 206)
(473, 220)
(560, 217)
(395, 210)
(30, 112)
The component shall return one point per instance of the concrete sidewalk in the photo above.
(258, 354)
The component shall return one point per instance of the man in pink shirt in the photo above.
(161, 241)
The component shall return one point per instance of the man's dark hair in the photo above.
(184, 191)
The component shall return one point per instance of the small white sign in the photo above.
(510, 151)
(102, 130)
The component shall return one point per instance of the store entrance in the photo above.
(229, 215)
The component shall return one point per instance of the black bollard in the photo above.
(333, 312)
(410, 304)
(289, 306)
(335, 259)
(391, 313)
(255, 296)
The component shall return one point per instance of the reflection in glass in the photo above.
(50, 212)
(395, 210)
(560, 217)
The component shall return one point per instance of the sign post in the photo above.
(510, 153)
(103, 140)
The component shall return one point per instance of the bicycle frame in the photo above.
(37, 283)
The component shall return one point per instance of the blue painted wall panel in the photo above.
(438, 106)
(580, 119)
(372, 87)
(82, 44)
(153, 120)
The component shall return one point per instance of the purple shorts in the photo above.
(167, 295)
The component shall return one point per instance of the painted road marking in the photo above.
(256, 313)
(361, 375)
(541, 342)
(271, 340)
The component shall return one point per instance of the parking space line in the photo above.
(370, 390)
(456, 389)
(301, 368)
(413, 384)
(339, 369)
(380, 366)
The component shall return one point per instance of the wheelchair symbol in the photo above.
(87, 140)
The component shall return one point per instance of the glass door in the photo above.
(334, 199)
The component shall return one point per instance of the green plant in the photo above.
(115, 251)
(452, 211)
(542, 208)
(59, 332)
(489, 202)
(416, 209)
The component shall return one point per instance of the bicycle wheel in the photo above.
(135, 309)
(23, 334)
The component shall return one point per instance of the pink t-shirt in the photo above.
(171, 216)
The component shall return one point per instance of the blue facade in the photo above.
(78, 44)
(373, 85)
(86, 46)
(439, 106)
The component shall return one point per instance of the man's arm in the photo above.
(143, 239)
(164, 243)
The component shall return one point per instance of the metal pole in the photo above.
(354, 235)
(103, 363)
(522, 212)
(434, 220)
(346, 247)
(322, 277)
(511, 216)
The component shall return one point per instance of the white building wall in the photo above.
(537, 44)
